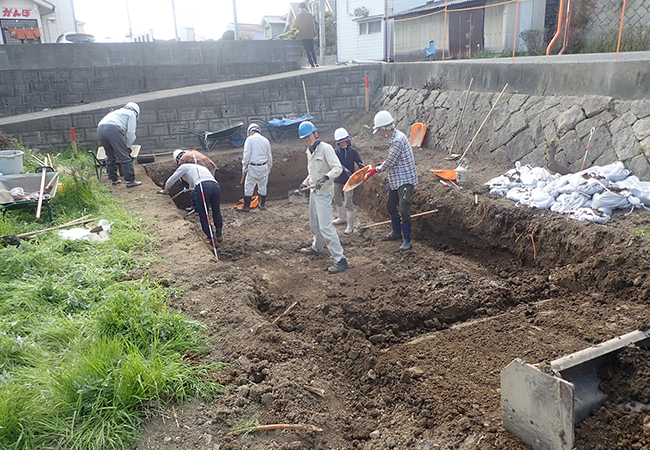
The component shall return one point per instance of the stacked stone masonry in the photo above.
(523, 126)
(605, 16)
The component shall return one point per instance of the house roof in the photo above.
(434, 6)
(274, 20)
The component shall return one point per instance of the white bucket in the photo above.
(11, 161)
(462, 175)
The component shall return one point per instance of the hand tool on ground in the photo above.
(453, 156)
(388, 221)
(484, 122)
(207, 213)
(542, 407)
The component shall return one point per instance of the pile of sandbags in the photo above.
(590, 195)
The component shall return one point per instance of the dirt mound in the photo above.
(404, 349)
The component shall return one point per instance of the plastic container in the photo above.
(11, 161)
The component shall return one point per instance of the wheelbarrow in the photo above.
(209, 139)
(21, 191)
(278, 128)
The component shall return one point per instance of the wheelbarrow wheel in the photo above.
(237, 140)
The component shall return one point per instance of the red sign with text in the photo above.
(15, 12)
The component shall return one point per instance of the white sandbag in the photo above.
(566, 203)
(589, 215)
(537, 198)
(614, 172)
(638, 188)
(607, 201)
(518, 194)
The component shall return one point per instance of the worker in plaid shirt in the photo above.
(402, 177)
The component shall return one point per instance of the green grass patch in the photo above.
(84, 354)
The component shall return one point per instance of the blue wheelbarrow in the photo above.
(278, 128)
(209, 139)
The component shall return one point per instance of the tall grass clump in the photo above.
(86, 347)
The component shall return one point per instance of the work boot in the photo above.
(262, 201)
(339, 266)
(247, 204)
(341, 219)
(406, 232)
(116, 182)
(219, 236)
(396, 232)
(310, 251)
(350, 227)
(133, 183)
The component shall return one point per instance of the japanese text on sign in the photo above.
(15, 12)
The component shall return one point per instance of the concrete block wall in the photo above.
(38, 77)
(522, 126)
(332, 93)
(605, 17)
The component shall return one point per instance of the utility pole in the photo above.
(128, 16)
(321, 31)
(175, 26)
(234, 13)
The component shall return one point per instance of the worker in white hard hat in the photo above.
(348, 156)
(193, 157)
(116, 132)
(322, 167)
(402, 178)
(256, 166)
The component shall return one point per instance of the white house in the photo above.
(471, 26)
(34, 21)
(361, 28)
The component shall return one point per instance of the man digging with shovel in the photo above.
(402, 178)
(322, 166)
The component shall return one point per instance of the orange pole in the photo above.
(566, 27)
(514, 44)
(444, 33)
(559, 28)
(620, 31)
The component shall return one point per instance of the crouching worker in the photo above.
(206, 194)
(116, 132)
(322, 166)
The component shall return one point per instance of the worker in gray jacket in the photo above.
(322, 166)
(206, 195)
(116, 132)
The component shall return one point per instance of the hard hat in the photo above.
(133, 107)
(341, 134)
(305, 129)
(253, 127)
(177, 154)
(382, 119)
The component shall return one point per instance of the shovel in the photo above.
(356, 178)
(451, 156)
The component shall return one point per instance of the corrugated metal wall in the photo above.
(350, 44)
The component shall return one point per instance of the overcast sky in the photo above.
(208, 17)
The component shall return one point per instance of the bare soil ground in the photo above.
(404, 349)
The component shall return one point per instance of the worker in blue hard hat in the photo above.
(323, 166)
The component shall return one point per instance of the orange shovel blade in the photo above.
(417, 134)
(445, 174)
(356, 178)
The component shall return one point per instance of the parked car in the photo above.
(73, 38)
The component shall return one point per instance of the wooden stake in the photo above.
(40, 193)
(304, 89)
(285, 311)
(453, 141)
(388, 221)
(277, 426)
(78, 221)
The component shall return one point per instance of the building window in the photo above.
(371, 27)
(20, 31)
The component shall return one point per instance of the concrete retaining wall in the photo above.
(38, 77)
(332, 93)
(522, 126)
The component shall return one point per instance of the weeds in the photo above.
(84, 354)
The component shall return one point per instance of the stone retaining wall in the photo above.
(522, 126)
